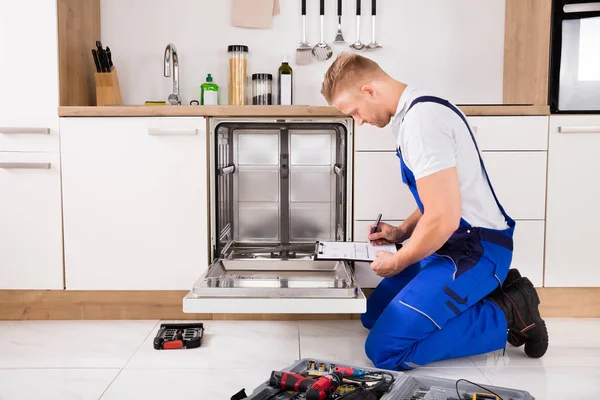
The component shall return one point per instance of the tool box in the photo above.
(403, 387)
(179, 336)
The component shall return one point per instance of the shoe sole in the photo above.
(534, 302)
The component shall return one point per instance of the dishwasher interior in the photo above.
(277, 187)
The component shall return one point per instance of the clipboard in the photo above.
(351, 251)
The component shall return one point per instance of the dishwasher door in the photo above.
(276, 286)
(276, 188)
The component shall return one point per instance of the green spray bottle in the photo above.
(209, 92)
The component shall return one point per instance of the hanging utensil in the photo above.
(322, 51)
(303, 51)
(339, 38)
(373, 45)
(358, 45)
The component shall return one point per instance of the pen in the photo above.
(374, 230)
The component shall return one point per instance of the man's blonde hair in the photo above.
(347, 67)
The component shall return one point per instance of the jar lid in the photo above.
(237, 47)
(262, 77)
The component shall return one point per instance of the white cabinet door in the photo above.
(528, 253)
(28, 71)
(573, 218)
(378, 187)
(30, 221)
(135, 202)
(507, 133)
(372, 138)
(519, 180)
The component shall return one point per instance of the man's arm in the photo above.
(408, 227)
(440, 194)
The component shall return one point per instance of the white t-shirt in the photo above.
(432, 137)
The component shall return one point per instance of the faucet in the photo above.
(172, 57)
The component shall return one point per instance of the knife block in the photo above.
(108, 91)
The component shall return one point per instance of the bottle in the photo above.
(209, 92)
(285, 83)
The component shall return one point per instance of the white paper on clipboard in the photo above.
(351, 251)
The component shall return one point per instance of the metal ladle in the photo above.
(373, 45)
(358, 45)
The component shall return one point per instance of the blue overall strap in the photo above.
(443, 102)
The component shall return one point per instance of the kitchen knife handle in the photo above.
(303, 7)
(108, 54)
(322, 11)
(373, 7)
(96, 60)
(339, 8)
(358, 7)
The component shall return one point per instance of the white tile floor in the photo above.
(115, 359)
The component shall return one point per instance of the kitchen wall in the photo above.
(454, 48)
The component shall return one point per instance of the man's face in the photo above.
(364, 105)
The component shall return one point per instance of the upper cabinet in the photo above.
(29, 68)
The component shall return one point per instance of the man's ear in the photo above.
(368, 90)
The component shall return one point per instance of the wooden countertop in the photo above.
(267, 111)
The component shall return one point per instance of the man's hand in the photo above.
(386, 234)
(386, 264)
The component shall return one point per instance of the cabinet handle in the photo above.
(581, 7)
(24, 165)
(172, 132)
(579, 129)
(34, 131)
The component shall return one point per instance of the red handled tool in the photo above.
(290, 382)
(325, 386)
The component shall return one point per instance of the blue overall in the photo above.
(437, 309)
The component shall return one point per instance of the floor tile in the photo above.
(70, 344)
(572, 342)
(339, 341)
(228, 344)
(344, 342)
(55, 384)
(161, 384)
(549, 383)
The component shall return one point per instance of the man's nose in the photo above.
(359, 120)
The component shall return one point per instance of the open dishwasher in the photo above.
(276, 188)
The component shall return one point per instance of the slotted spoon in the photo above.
(339, 38)
(303, 51)
(322, 51)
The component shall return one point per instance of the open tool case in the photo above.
(404, 386)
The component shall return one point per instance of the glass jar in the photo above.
(238, 73)
(262, 89)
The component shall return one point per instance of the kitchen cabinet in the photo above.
(378, 187)
(29, 76)
(500, 133)
(519, 180)
(572, 218)
(135, 202)
(30, 221)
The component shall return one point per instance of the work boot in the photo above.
(512, 276)
(519, 302)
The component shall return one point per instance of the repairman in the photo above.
(447, 292)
